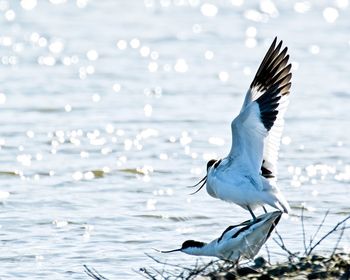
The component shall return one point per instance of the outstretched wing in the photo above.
(257, 130)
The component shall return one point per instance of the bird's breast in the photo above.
(233, 185)
(218, 180)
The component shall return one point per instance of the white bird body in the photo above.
(236, 242)
(247, 176)
(234, 184)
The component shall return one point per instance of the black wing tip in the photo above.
(274, 62)
(266, 172)
(275, 40)
(273, 80)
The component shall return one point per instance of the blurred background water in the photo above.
(109, 109)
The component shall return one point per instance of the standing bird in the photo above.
(236, 242)
(247, 176)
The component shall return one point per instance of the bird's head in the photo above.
(190, 247)
(210, 163)
(203, 181)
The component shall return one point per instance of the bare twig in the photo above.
(338, 241)
(268, 254)
(146, 273)
(201, 270)
(317, 231)
(93, 273)
(165, 263)
(283, 246)
(329, 264)
(335, 228)
(181, 272)
(303, 229)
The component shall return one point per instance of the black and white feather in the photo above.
(270, 90)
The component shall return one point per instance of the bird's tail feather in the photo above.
(283, 203)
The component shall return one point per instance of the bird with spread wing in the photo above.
(247, 176)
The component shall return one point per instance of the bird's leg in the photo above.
(251, 212)
(264, 209)
(237, 261)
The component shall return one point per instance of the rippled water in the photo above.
(109, 109)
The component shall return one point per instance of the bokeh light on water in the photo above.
(109, 109)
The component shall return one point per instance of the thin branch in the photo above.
(303, 228)
(327, 234)
(145, 273)
(93, 273)
(268, 254)
(165, 263)
(338, 241)
(283, 246)
(185, 273)
(317, 231)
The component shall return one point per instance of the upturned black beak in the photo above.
(197, 183)
(170, 251)
(203, 182)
